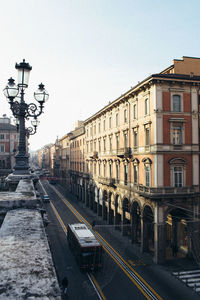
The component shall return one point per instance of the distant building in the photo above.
(9, 138)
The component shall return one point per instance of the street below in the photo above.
(113, 281)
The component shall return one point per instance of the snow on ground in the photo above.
(26, 267)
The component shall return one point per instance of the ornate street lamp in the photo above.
(21, 111)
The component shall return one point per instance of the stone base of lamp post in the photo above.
(21, 164)
(13, 179)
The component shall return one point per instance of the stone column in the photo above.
(193, 239)
(144, 236)
(159, 243)
(134, 228)
(124, 227)
(104, 210)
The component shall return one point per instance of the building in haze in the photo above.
(9, 139)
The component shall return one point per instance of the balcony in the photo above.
(123, 152)
(166, 192)
(106, 181)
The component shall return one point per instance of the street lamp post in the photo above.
(23, 111)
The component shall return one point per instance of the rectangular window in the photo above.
(146, 108)
(110, 123)
(117, 119)
(99, 169)
(104, 125)
(135, 171)
(95, 146)
(125, 140)
(104, 170)
(95, 168)
(91, 148)
(176, 103)
(99, 145)
(125, 116)
(125, 174)
(117, 142)
(178, 176)
(147, 175)
(99, 127)
(135, 138)
(177, 134)
(110, 170)
(1, 136)
(110, 142)
(94, 129)
(147, 136)
(117, 172)
(104, 144)
(2, 148)
(134, 111)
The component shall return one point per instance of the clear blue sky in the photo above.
(89, 52)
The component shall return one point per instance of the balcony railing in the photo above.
(106, 181)
(123, 152)
(166, 191)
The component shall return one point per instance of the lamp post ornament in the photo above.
(23, 111)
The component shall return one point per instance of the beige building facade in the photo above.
(142, 161)
(135, 162)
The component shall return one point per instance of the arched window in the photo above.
(177, 171)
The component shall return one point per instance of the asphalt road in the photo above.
(113, 281)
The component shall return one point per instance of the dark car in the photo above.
(46, 199)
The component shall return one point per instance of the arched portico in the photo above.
(117, 217)
(136, 222)
(147, 242)
(105, 205)
(126, 227)
(100, 202)
(110, 209)
(177, 234)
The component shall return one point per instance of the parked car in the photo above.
(46, 199)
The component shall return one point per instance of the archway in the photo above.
(117, 219)
(95, 204)
(100, 208)
(176, 234)
(136, 222)
(110, 209)
(105, 203)
(148, 229)
(126, 229)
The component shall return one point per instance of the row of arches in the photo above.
(139, 221)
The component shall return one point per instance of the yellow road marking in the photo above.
(97, 286)
(59, 218)
(128, 265)
(65, 230)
